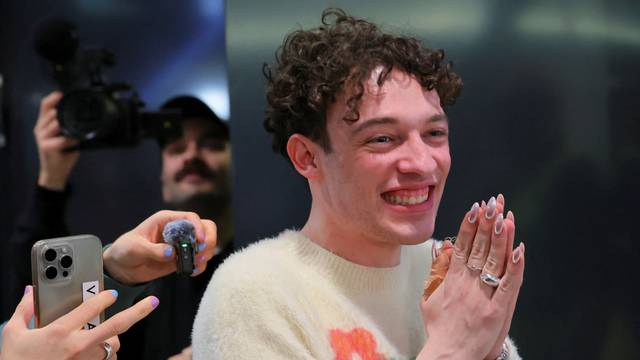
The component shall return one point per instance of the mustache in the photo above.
(197, 167)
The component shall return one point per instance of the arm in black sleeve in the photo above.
(43, 218)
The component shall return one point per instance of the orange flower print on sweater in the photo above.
(357, 341)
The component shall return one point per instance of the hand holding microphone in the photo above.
(142, 254)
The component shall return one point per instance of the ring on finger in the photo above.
(108, 349)
(490, 280)
(474, 268)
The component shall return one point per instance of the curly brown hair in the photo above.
(314, 66)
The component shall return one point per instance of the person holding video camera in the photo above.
(194, 176)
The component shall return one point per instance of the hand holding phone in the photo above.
(66, 272)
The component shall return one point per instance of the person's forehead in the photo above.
(400, 95)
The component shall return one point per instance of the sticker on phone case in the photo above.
(89, 290)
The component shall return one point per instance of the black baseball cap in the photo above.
(191, 107)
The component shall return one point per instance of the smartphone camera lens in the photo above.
(51, 272)
(66, 261)
(65, 273)
(50, 255)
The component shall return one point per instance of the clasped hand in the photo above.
(466, 317)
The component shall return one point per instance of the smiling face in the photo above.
(383, 179)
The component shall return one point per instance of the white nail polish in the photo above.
(491, 208)
(499, 224)
(473, 214)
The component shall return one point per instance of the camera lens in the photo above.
(66, 261)
(51, 272)
(50, 255)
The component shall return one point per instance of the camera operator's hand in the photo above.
(141, 254)
(65, 338)
(55, 164)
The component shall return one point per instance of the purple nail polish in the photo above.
(200, 259)
(201, 234)
(154, 302)
(114, 293)
(202, 246)
(499, 224)
(168, 251)
(27, 289)
(473, 215)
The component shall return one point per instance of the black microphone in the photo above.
(182, 236)
(56, 40)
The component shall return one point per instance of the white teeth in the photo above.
(406, 200)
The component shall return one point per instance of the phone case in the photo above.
(75, 280)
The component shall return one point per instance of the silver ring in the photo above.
(473, 267)
(490, 280)
(108, 349)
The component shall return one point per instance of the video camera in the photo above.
(97, 113)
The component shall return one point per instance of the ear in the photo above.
(302, 153)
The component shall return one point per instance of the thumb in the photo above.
(24, 310)
(439, 270)
(161, 252)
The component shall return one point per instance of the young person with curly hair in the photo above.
(359, 113)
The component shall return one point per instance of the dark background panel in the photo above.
(549, 117)
(163, 48)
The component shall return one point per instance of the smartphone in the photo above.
(65, 272)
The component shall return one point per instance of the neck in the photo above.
(357, 248)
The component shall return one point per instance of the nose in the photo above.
(416, 157)
(192, 150)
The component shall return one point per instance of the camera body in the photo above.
(94, 111)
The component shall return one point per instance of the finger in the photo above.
(208, 247)
(465, 236)
(482, 240)
(114, 341)
(511, 230)
(88, 310)
(24, 311)
(496, 258)
(158, 252)
(48, 103)
(122, 321)
(439, 270)
(510, 283)
(50, 128)
(58, 143)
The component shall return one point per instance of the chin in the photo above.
(410, 234)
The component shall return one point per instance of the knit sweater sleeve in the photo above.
(241, 317)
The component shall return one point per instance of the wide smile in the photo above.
(410, 199)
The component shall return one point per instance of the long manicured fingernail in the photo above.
(202, 246)
(27, 289)
(500, 199)
(155, 302)
(201, 234)
(200, 259)
(517, 254)
(168, 251)
(491, 208)
(195, 272)
(510, 216)
(497, 228)
(473, 215)
(114, 293)
(483, 204)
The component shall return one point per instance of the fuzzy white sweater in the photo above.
(288, 298)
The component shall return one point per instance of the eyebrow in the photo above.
(389, 120)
